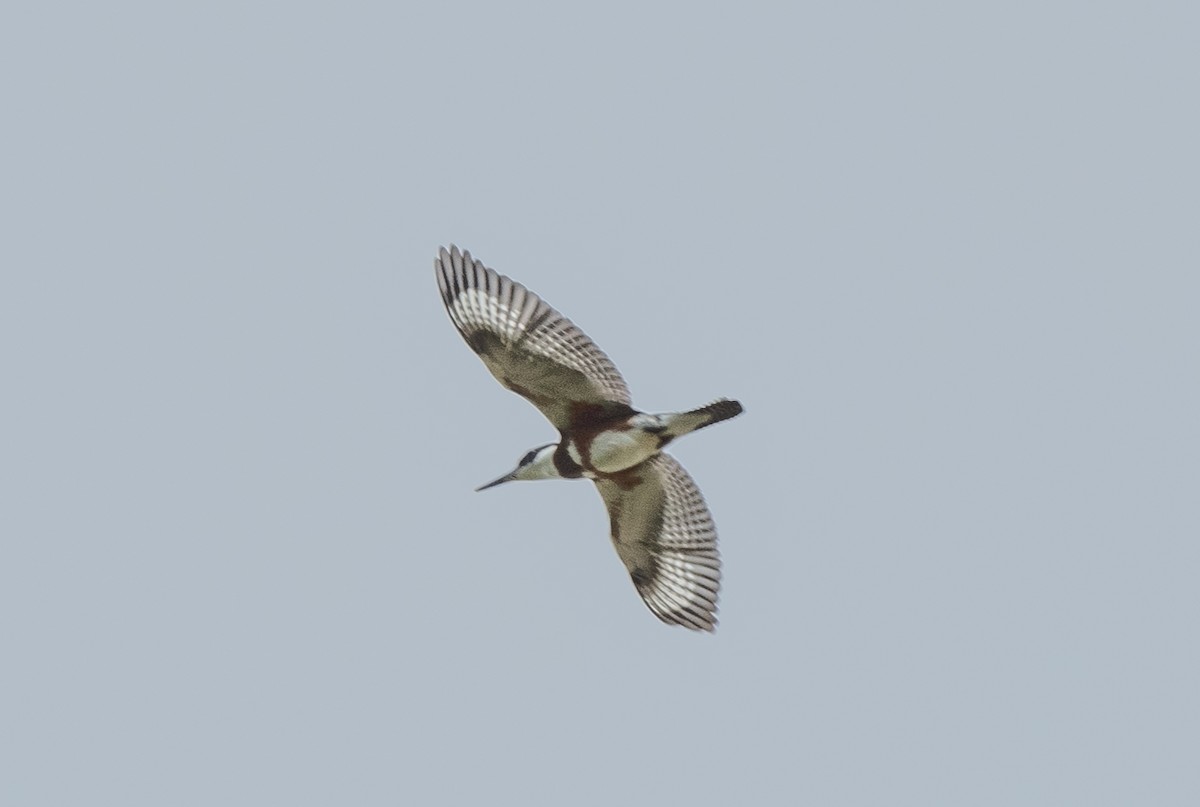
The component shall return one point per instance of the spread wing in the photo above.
(666, 538)
(530, 348)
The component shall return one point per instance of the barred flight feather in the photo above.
(665, 536)
(530, 347)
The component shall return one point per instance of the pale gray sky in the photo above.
(946, 255)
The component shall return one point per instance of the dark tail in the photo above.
(715, 412)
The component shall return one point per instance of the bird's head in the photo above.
(537, 463)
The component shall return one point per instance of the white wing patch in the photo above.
(477, 309)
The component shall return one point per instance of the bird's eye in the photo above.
(528, 458)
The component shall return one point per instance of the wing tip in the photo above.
(451, 266)
(457, 271)
(701, 621)
(675, 605)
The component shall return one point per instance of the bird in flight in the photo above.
(660, 525)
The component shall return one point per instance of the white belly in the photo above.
(613, 451)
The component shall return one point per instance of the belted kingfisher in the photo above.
(660, 525)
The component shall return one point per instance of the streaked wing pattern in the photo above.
(529, 347)
(666, 538)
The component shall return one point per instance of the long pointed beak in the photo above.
(508, 477)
